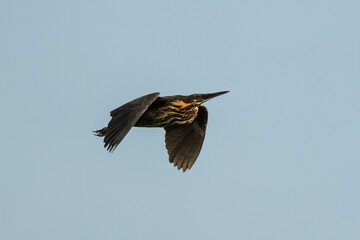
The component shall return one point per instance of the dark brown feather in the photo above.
(184, 142)
(124, 118)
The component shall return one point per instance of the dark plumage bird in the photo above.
(182, 117)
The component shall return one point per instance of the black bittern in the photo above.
(182, 117)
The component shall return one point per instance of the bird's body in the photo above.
(182, 117)
(168, 111)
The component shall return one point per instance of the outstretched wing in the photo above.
(184, 143)
(124, 118)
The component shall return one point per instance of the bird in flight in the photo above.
(182, 117)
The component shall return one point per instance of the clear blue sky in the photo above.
(281, 155)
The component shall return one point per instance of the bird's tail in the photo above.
(101, 132)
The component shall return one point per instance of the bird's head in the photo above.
(201, 98)
(196, 99)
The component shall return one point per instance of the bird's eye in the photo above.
(196, 97)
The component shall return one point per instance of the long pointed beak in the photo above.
(208, 96)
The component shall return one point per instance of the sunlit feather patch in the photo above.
(181, 104)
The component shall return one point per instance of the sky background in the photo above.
(281, 155)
